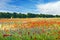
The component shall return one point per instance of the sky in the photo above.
(32, 6)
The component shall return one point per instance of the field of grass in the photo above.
(30, 29)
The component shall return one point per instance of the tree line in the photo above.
(28, 15)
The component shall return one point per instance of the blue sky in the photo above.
(33, 6)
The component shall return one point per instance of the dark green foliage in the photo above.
(28, 15)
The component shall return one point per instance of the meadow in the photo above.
(30, 29)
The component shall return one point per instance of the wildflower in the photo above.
(31, 37)
(5, 35)
(35, 38)
(28, 33)
(58, 32)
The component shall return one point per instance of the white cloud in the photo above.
(4, 2)
(49, 8)
(5, 7)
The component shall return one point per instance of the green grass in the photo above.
(31, 34)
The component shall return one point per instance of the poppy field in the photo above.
(30, 29)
